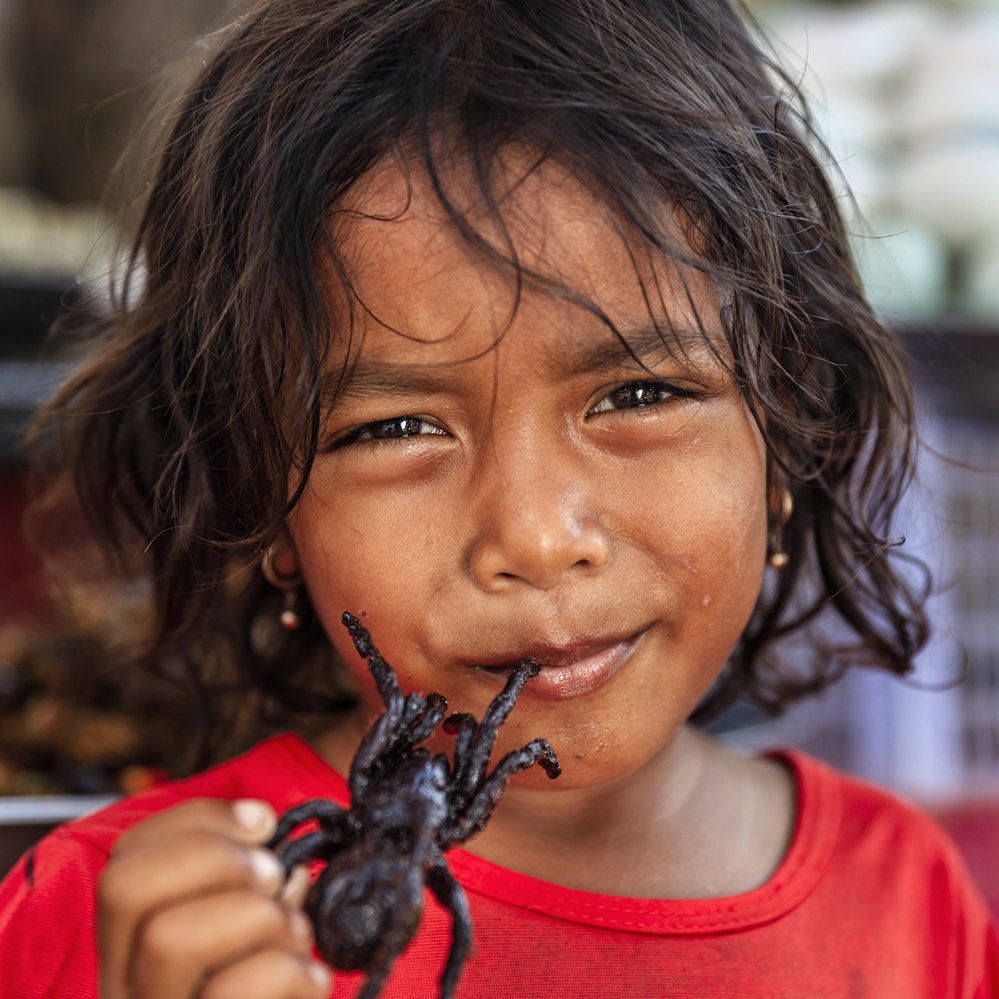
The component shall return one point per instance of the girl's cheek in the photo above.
(717, 551)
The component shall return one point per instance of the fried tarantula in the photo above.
(407, 808)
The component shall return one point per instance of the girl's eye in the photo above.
(386, 431)
(633, 395)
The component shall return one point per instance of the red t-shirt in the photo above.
(871, 900)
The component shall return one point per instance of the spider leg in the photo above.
(451, 895)
(434, 708)
(464, 726)
(326, 813)
(414, 708)
(379, 739)
(384, 675)
(313, 846)
(484, 737)
(472, 819)
(373, 984)
(385, 732)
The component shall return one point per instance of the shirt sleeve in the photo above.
(989, 989)
(975, 929)
(48, 946)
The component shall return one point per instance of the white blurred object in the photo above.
(954, 81)
(852, 48)
(39, 237)
(906, 96)
(950, 114)
(850, 63)
(954, 188)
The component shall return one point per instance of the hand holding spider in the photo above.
(189, 906)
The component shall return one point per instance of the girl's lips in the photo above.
(579, 677)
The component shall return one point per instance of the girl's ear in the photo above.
(780, 504)
(281, 569)
(280, 563)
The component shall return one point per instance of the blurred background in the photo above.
(907, 96)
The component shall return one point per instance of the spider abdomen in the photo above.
(361, 901)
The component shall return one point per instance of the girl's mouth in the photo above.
(576, 678)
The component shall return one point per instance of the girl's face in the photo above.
(477, 503)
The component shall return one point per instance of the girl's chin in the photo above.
(590, 756)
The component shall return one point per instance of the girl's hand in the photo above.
(191, 907)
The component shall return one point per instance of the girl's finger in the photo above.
(143, 881)
(296, 887)
(247, 821)
(269, 974)
(178, 947)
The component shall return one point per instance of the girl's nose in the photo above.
(535, 526)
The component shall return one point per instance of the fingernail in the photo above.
(267, 869)
(319, 974)
(296, 887)
(300, 925)
(251, 814)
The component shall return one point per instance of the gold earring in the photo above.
(778, 558)
(290, 617)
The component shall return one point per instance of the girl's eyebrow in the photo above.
(641, 340)
(372, 378)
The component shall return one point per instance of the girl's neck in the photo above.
(695, 821)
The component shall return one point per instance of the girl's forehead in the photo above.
(412, 271)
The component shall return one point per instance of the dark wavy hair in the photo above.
(176, 438)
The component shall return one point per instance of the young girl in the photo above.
(522, 328)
